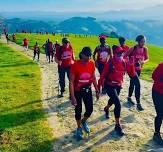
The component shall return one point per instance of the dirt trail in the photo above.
(137, 125)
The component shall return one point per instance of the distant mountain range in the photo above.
(127, 23)
(151, 13)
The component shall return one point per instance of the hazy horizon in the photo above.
(73, 5)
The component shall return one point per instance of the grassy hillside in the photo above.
(23, 124)
(156, 53)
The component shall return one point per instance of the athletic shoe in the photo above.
(157, 138)
(85, 127)
(130, 101)
(139, 107)
(119, 130)
(79, 134)
(61, 95)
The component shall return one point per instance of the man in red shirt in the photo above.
(81, 78)
(112, 77)
(157, 95)
(103, 53)
(140, 55)
(65, 58)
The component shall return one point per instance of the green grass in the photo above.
(155, 52)
(23, 124)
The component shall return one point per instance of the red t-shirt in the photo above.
(36, 48)
(114, 70)
(57, 46)
(50, 47)
(125, 48)
(65, 55)
(103, 53)
(25, 42)
(139, 54)
(157, 77)
(84, 73)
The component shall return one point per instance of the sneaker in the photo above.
(130, 101)
(139, 107)
(119, 130)
(157, 138)
(61, 95)
(106, 113)
(85, 127)
(79, 134)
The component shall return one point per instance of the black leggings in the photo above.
(34, 55)
(113, 92)
(86, 96)
(62, 72)
(100, 67)
(135, 84)
(158, 102)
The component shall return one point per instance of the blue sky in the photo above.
(75, 5)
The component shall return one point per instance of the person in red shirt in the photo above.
(112, 77)
(25, 44)
(65, 58)
(101, 55)
(82, 76)
(36, 51)
(157, 95)
(50, 50)
(103, 52)
(56, 45)
(123, 45)
(140, 54)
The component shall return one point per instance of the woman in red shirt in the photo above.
(157, 95)
(112, 77)
(82, 76)
(140, 55)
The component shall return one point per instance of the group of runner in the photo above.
(112, 64)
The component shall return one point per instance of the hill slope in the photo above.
(23, 124)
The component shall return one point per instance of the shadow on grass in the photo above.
(20, 118)
(18, 64)
(21, 106)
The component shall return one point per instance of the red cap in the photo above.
(103, 36)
